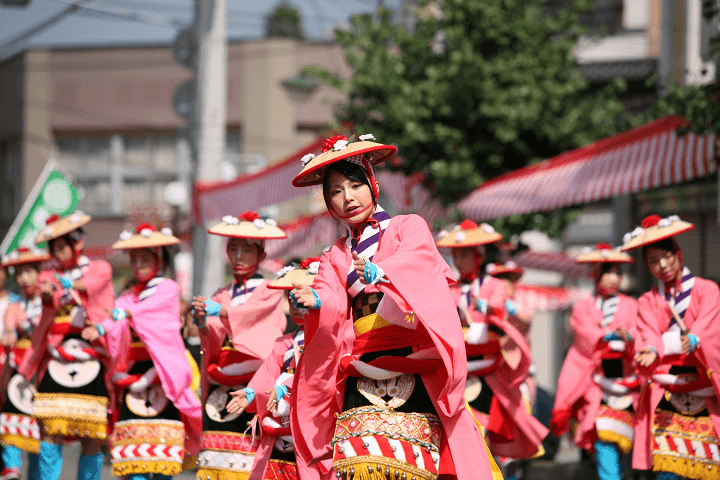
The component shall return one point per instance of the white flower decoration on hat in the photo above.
(491, 267)
(125, 235)
(605, 253)
(146, 232)
(283, 271)
(339, 145)
(460, 236)
(259, 223)
(230, 220)
(487, 228)
(367, 136)
(314, 268)
(271, 222)
(166, 231)
(673, 218)
(14, 255)
(510, 264)
(627, 237)
(75, 217)
(637, 232)
(665, 222)
(456, 228)
(306, 159)
(442, 234)
(47, 231)
(586, 250)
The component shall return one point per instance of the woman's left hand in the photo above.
(359, 266)
(272, 402)
(90, 333)
(304, 295)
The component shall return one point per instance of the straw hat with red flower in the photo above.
(145, 236)
(57, 226)
(652, 229)
(23, 255)
(304, 273)
(508, 270)
(248, 225)
(604, 253)
(468, 234)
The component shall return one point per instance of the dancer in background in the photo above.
(238, 328)
(72, 398)
(19, 429)
(270, 391)
(381, 382)
(158, 420)
(498, 355)
(678, 414)
(597, 384)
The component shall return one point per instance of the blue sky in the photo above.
(132, 22)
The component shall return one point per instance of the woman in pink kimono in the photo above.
(678, 413)
(270, 391)
(597, 383)
(498, 355)
(19, 431)
(73, 397)
(158, 420)
(238, 328)
(381, 382)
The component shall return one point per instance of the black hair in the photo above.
(71, 238)
(667, 244)
(604, 268)
(354, 172)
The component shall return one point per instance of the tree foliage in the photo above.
(284, 22)
(477, 89)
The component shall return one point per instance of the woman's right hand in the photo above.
(646, 357)
(47, 290)
(304, 295)
(239, 402)
(90, 333)
(198, 305)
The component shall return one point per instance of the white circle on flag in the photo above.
(57, 195)
(39, 217)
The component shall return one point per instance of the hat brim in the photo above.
(473, 238)
(612, 257)
(246, 229)
(654, 234)
(62, 227)
(299, 275)
(155, 240)
(512, 274)
(312, 173)
(25, 258)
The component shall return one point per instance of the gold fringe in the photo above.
(213, 474)
(74, 428)
(496, 473)
(164, 467)
(623, 443)
(685, 467)
(368, 470)
(23, 443)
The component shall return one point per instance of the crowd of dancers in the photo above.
(393, 368)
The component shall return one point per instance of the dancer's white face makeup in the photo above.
(27, 279)
(609, 282)
(663, 264)
(143, 264)
(468, 259)
(243, 256)
(350, 199)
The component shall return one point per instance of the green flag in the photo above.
(51, 194)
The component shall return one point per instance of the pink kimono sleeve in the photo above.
(267, 374)
(587, 333)
(648, 325)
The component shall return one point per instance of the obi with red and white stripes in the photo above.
(148, 446)
(383, 443)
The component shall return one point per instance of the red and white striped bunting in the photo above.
(644, 158)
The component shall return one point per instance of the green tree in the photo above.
(478, 88)
(284, 22)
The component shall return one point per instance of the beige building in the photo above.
(106, 114)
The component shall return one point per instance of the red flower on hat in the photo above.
(23, 249)
(249, 216)
(330, 142)
(143, 226)
(306, 263)
(650, 221)
(468, 225)
(52, 218)
(603, 246)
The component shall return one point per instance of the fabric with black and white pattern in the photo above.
(608, 307)
(468, 291)
(680, 301)
(150, 287)
(289, 356)
(365, 247)
(241, 290)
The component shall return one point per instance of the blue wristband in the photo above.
(511, 307)
(317, 300)
(118, 314)
(482, 305)
(371, 272)
(212, 309)
(611, 336)
(100, 329)
(693, 341)
(280, 391)
(250, 393)
(66, 282)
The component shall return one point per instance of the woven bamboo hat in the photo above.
(303, 274)
(653, 229)
(509, 270)
(57, 226)
(23, 255)
(604, 253)
(248, 225)
(339, 148)
(145, 236)
(468, 234)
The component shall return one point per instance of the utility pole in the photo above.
(209, 133)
